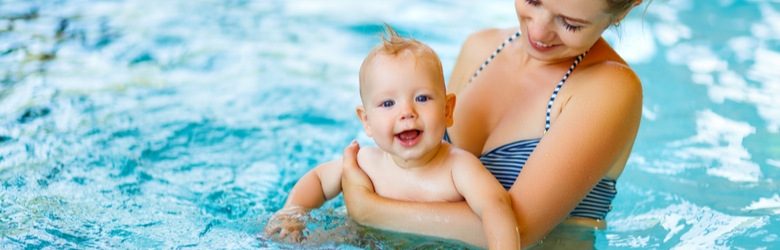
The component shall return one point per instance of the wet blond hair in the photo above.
(396, 46)
(619, 8)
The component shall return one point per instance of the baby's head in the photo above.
(405, 105)
(400, 48)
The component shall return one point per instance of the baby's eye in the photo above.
(533, 2)
(422, 98)
(387, 103)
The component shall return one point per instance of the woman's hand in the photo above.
(355, 184)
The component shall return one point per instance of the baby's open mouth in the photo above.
(409, 137)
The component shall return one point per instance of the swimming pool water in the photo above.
(183, 124)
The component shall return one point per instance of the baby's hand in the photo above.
(288, 223)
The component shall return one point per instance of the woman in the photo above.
(554, 100)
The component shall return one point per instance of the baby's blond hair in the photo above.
(395, 45)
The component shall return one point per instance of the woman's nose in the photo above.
(540, 29)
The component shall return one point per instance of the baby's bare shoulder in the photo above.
(369, 157)
(459, 158)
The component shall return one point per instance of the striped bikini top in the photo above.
(506, 162)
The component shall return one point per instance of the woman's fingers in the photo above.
(353, 176)
(350, 155)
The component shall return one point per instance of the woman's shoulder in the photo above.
(476, 48)
(611, 83)
(483, 42)
(608, 70)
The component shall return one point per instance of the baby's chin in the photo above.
(416, 153)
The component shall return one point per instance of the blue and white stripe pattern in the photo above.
(495, 53)
(506, 162)
(558, 88)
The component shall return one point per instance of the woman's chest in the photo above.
(494, 111)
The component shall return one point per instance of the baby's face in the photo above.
(405, 107)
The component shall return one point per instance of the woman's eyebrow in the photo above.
(582, 21)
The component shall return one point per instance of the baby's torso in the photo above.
(432, 184)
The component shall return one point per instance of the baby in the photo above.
(405, 110)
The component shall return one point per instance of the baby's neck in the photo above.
(429, 159)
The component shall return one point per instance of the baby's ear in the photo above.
(449, 109)
(360, 111)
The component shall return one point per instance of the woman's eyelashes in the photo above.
(570, 27)
(566, 25)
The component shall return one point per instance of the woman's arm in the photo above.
(592, 134)
(453, 220)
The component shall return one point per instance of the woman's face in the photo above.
(558, 29)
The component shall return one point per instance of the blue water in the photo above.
(183, 124)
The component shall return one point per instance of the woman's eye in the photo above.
(422, 98)
(533, 2)
(387, 104)
(572, 28)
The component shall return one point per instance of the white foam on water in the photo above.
(771, 204)
(259, 178)
(693, 226)
(764, 72)
(719, 142)
(773, 162)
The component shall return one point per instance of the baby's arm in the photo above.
(488, 199)
(317, 186)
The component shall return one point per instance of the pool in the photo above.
(183, 124)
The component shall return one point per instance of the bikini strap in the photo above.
(558, 88)
(495, 53)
